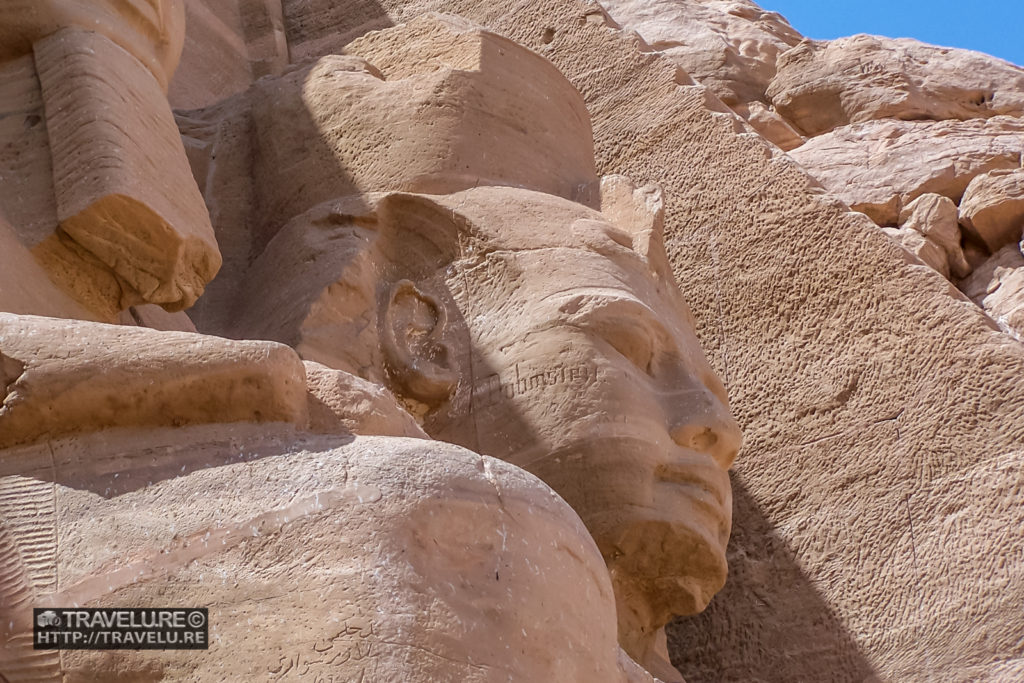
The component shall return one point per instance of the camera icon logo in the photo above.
(48, 618)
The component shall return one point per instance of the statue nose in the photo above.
(701, 422)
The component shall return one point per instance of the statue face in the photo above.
(545, 339)
(586, 371)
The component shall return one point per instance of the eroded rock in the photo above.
(992, 208)
(770, 125)
(380, 558)
(928, 250)
(729, 46)
(821, 85)
(935, 217)
(998, 286)
(878, 167)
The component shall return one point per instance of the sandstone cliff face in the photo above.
(872, 356)
(878, 121)
(819, 86)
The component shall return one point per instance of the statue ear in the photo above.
(417, 355)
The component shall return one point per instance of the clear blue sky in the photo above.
(992, 26)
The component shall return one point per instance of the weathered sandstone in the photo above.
(880, 166)
(935, 217)
(730, 46)
(139, 211)
(317, 556)
(822, 85)
(993, 207)
(928, 250)
(152, 31)
(770, 125)
(998, 287)
(340, 402)
(228, 45)
(420, 208)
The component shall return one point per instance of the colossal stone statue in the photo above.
(539, 331)
(187, 472)
(515, 305)
(541, 326)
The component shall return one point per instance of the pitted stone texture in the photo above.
(79, 377)
(370, 558)
(879, 167)
(730, 46)
(998, 286)
(992, 208)
(821, 85)
(935, 217)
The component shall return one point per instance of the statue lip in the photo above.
(699, 473)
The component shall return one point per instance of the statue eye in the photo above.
(633, 342)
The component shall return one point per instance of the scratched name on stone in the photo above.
(522, 381)
(353, 643)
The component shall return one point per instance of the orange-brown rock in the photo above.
(821, 85)
(992, 208)
(124, 190)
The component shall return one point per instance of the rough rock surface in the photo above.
(138, 211)
(935, 217)
(770, 125)
(821, 85)
(880, 166)
(928, 250)
(434, 109)
(877, 501)
(998, 287)
(152, 32)
(992, 208)
(824, 574)
(730, 46)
